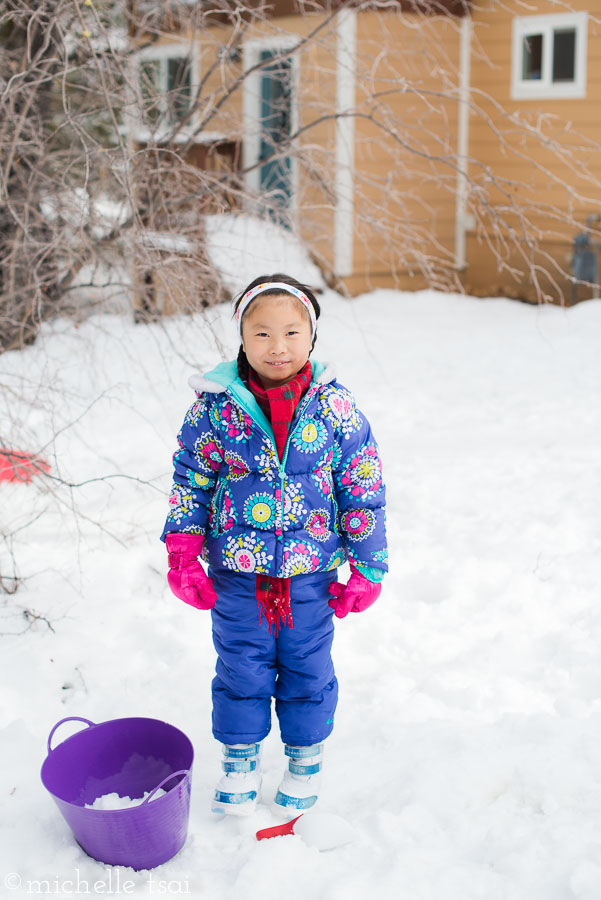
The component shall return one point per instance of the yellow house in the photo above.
(447, 144)
(536, 80)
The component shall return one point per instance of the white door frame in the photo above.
(462, 221)
(344, 212)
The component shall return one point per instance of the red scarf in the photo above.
(279, 405)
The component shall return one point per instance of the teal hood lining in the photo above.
(224, 377)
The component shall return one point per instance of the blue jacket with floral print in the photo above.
(322, 504)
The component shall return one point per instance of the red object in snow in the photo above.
(324, 831)
(17, 466)
(277, 830)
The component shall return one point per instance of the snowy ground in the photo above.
(466, 746)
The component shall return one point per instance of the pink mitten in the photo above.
(356, 595)
(187, 578)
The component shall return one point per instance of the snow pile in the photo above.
(78, 209)
(115, 801)
(243, 247)
(466, 745)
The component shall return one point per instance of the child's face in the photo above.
(276, 336)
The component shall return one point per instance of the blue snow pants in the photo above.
(253, 666)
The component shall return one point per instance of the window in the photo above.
(271, 116)
(549, 57)
(179, 87)
(166, 81)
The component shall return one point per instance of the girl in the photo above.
(277, 482)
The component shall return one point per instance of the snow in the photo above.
(163, 131)
(114, 801)
(110, 40)
(157, 240)
(466, 746)
(79, 209)
(243, 247)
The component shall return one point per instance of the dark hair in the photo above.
(243, 366)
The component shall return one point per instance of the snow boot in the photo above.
(237, 791)
(300, 785)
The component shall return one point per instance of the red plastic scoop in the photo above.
(321, 830)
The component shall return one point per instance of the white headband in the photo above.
(286, 289)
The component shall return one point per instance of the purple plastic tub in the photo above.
(129, 757)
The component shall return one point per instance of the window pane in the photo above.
(150, 75)
(276, 99)
(564, 54)
(179, 87)
(532, 57)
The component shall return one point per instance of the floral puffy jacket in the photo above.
(321, 505)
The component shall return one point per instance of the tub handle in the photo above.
(62, 721)
(164, 781)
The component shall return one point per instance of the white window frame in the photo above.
(163, 52)
(544, 88)
(251, 108)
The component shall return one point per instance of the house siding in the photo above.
(405, 174)
(405, 149)
(552, 193)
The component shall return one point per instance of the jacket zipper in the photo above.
(282, 465)
(282, 471)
